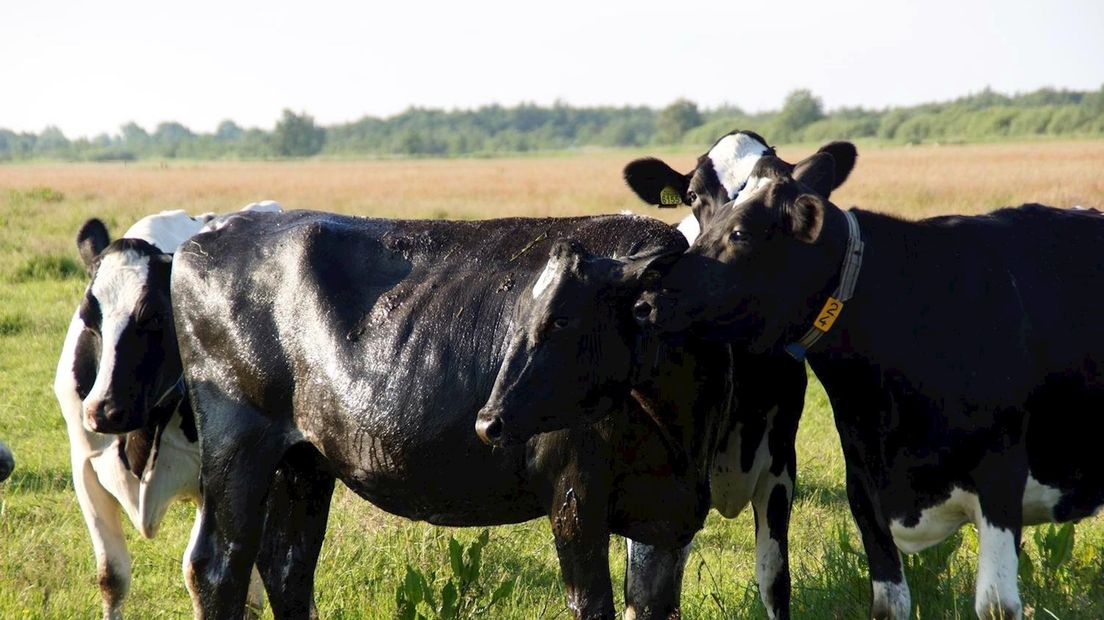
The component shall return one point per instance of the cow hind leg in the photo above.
(238, 461)
(772, 502)
(103, 517)
(297, 509)
(653, 581)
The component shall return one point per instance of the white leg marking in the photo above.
(768, 553)
(892, 599)
(997, 594)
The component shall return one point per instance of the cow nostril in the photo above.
(642, 310)
(489, 430)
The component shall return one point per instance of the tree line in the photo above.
(986, 115)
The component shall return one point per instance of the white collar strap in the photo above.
(849, 275)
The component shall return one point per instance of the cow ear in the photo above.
(645, 270)
(817, 172)
(92, 238)
(657, 183)
(569, 253)
(806, 217)
(843, 155)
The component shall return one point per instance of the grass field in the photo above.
(46, 562)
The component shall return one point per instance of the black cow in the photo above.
(961, 355)
(362, 349)
(576, 334)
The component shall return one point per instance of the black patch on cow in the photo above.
(187, 419)
(90, 313)
(135, 448)
(86, 361)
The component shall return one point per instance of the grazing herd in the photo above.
(613, 374)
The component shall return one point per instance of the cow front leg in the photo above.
(298, 508)
(255, 599)
(103, 517)
(772, 502)
(653, 581)
(237, 467)
(999, 522)
(890, 598)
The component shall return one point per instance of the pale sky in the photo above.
(90, 66)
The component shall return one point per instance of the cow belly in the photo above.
(938, 522)
(935, 523)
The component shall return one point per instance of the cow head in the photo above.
(720, 174)
(762, 266)
(578, 311)
(128, 336)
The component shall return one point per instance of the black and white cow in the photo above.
(961, 355)
(132, 437)
(582, 299)
(7, 462)
(755, 463)
(330, 347)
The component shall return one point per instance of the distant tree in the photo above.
(228, 131)
(801, 108)
(51, 142)
(676, 119)
(296, 135)
(168, 138)
(135, 139)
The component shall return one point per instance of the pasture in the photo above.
(46, 562)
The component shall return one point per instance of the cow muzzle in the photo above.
(105, 417)
(489, 427)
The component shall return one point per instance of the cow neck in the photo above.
(680, 455)
(833, 307)
(169, 401)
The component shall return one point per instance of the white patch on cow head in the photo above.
(690, 228)
(734, 156)
(547, 277)
(120, 280)
(753, 185)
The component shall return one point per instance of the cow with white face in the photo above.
(132, 437)
(719, 176)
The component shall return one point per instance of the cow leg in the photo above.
(298, 507)
(772, 502)
(578, 501)
(890, 598)
(999, 522)
(653, 581)
(254, 599)
(105, 526)
(238, 460)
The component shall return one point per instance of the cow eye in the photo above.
(739, 236)
(558, 322)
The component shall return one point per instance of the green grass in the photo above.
(47, 568)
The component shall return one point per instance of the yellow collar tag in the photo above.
(828, 314)
(669, 197)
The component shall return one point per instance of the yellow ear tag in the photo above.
(828, 314)
(668, 196)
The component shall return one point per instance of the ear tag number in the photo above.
(828, 314)
(668, 196)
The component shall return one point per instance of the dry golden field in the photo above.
(46, 562)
